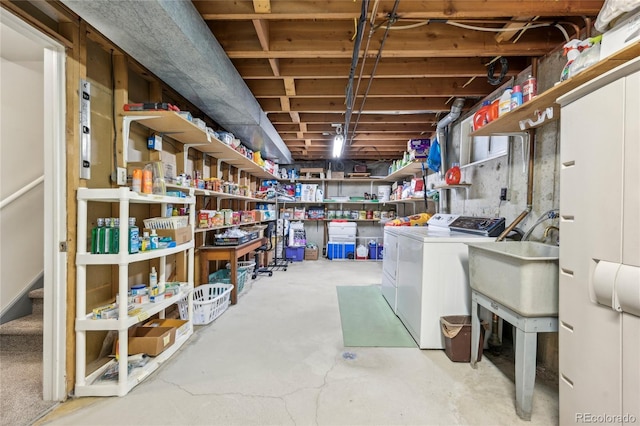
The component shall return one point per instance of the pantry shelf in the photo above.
(410, 170)
(92, 386)
(121, 198)
(147, 310)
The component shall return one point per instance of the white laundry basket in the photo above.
(209, 302)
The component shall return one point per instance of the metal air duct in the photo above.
(171, 39)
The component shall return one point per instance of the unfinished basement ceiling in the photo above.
(295, 57)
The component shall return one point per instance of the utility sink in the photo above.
(521, 275)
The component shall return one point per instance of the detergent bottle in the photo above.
(481, 117)
(505, 102)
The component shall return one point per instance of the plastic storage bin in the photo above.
(224, 276)
(375, 251)
(209, 302)
(457, 338)
(295, 253)
(341, 250)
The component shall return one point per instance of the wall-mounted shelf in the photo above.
(182, 130)
(410, 170)
(510, 122)
(408, 201)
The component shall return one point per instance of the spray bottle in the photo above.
(571, 51)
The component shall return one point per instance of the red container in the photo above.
(529, 89)
(481, 117)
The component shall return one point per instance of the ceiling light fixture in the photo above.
(338, 141)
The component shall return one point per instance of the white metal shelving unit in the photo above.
(89, 385)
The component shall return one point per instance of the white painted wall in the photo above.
(21, 162)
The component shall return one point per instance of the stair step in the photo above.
(37, 301)
(22, 334)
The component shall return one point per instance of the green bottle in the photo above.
(97, 234)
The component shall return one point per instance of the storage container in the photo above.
(342, 232)
(456, 330)
(209, 302)
(340, 250)
(224, 276)
(295, 253)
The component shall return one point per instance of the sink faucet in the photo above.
(549, 228)
(550, 214)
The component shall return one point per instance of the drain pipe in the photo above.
(529, 207)
(494, 340)
(456, 109)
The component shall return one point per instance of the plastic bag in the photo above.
(433, 160)
(611, 9)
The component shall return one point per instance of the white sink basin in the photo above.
(521, 275)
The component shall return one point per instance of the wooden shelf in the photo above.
(460, 185)
(182, 130)
(409, 170)
(510, 122)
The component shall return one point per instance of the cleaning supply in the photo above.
(571, 51)
(136, 182)
(516, 97)
(505, 102)
(452, 177)
(481, 117)
(529, 88)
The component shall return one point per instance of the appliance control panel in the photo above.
(486, 226)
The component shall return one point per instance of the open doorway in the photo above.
(33, 191)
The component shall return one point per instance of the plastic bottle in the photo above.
(505, 102)
(136, 182)
(453, 175)
(153, 282)
(147, 180)
(144, 244)
(134, 236)
(114, 242)
(516, 97)
(481, 117)
(97, 234)
(153, 240)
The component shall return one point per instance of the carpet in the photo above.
(367, 319)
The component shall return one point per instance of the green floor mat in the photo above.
(367, 319)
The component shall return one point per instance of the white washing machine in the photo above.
(426, 273)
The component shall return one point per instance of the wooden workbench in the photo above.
(230, 253)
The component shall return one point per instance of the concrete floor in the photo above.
(277, 358)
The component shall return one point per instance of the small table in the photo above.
(527, 329)
(230, 253)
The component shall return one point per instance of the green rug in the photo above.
(367, 319)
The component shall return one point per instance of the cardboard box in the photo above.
(181, 326)
(311, 253)
(179, 235)
(337, 175)
(150, 340)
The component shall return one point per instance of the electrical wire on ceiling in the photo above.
(354, 63)
(528, 26)
(392, 19)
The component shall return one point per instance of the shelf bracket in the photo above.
(219, 163)
(546, 114)
(126, 128)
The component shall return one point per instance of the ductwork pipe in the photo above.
(456, 109)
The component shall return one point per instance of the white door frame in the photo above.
(55, 208)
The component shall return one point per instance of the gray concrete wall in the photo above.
(486, 179)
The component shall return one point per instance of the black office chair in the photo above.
(266, 269)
